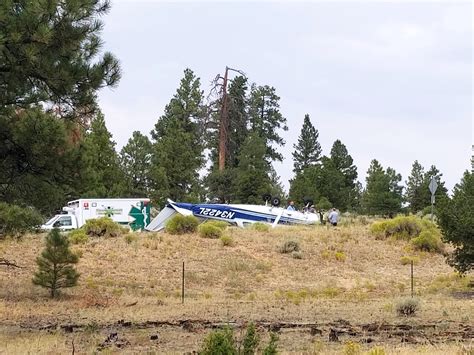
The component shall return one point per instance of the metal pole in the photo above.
(182, 287)
(412, 278)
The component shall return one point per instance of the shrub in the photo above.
(250, 341)
(130, 238)
(227, 240)
(428, 241)
(16, 220)
(297, 255)
(351, 348)
(401, 227)
(271, 348)
(260, 227)
(219, 342)
(408, 306)
(103, 227)
(208, 230)
(180, 224)
(78, 236)
(219, 224)
(289, 247)
(376, 350)
(340, 256)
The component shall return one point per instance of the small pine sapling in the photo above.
(55, 265)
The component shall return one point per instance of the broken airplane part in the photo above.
(240, 215)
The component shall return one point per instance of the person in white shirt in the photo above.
(333, 217)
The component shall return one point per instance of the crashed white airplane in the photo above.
(239, 214)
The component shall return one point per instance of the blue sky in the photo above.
(392, 81)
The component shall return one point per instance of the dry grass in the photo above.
(345, 274)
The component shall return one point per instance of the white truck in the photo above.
(134, 212)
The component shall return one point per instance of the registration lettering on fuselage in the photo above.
(212, 212)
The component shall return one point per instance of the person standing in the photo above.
(291, 206)
(333, 217)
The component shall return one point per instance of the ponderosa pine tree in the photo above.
(135, 158)
(51, 53)
(266, 119)
(101, 175)
(308, 150)
(55, 265)
(344, 164)
(414, 195)
(178, 146)
(50, 57)
(383, 194)
(252, 179)
(456, 219)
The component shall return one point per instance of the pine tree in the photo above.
(344, 164)
(308, 150)
(38, 162)
(383, 194)
(101, 175)
(52, 53)
(456, 219)
(135, 160)
(414, 184)
(252, 175)
(55, 265)
(178, 147)
(266, 119)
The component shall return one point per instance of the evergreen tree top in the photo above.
(308, 150)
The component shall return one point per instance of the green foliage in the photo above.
(323, 204)
(209, 230)
(57, 60)
(289, 246)
(219, 342)
(408, 306)
(55, 265)
(219, 224)
(400, 227)
(16, 220)
(266, 119)
(308, 150)
(227, 241)
(383, 194)
(271, 348)
(103, 227)
(423, 234)
(39, 162)
(250, 341)
(414, 195)
(351, 348)
(377, 350)
(135, 161)
(178, 146)
(428, 240)
(456, 220)
(78, 236)
(101, 176)
(252, 174)
(180, 224)
(334, 178)
(260, 227)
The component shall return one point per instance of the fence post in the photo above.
(411, 278)
(182, 286)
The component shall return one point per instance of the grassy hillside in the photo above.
(343, 279)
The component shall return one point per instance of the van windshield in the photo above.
(51, 221)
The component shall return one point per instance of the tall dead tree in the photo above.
(223, 116)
